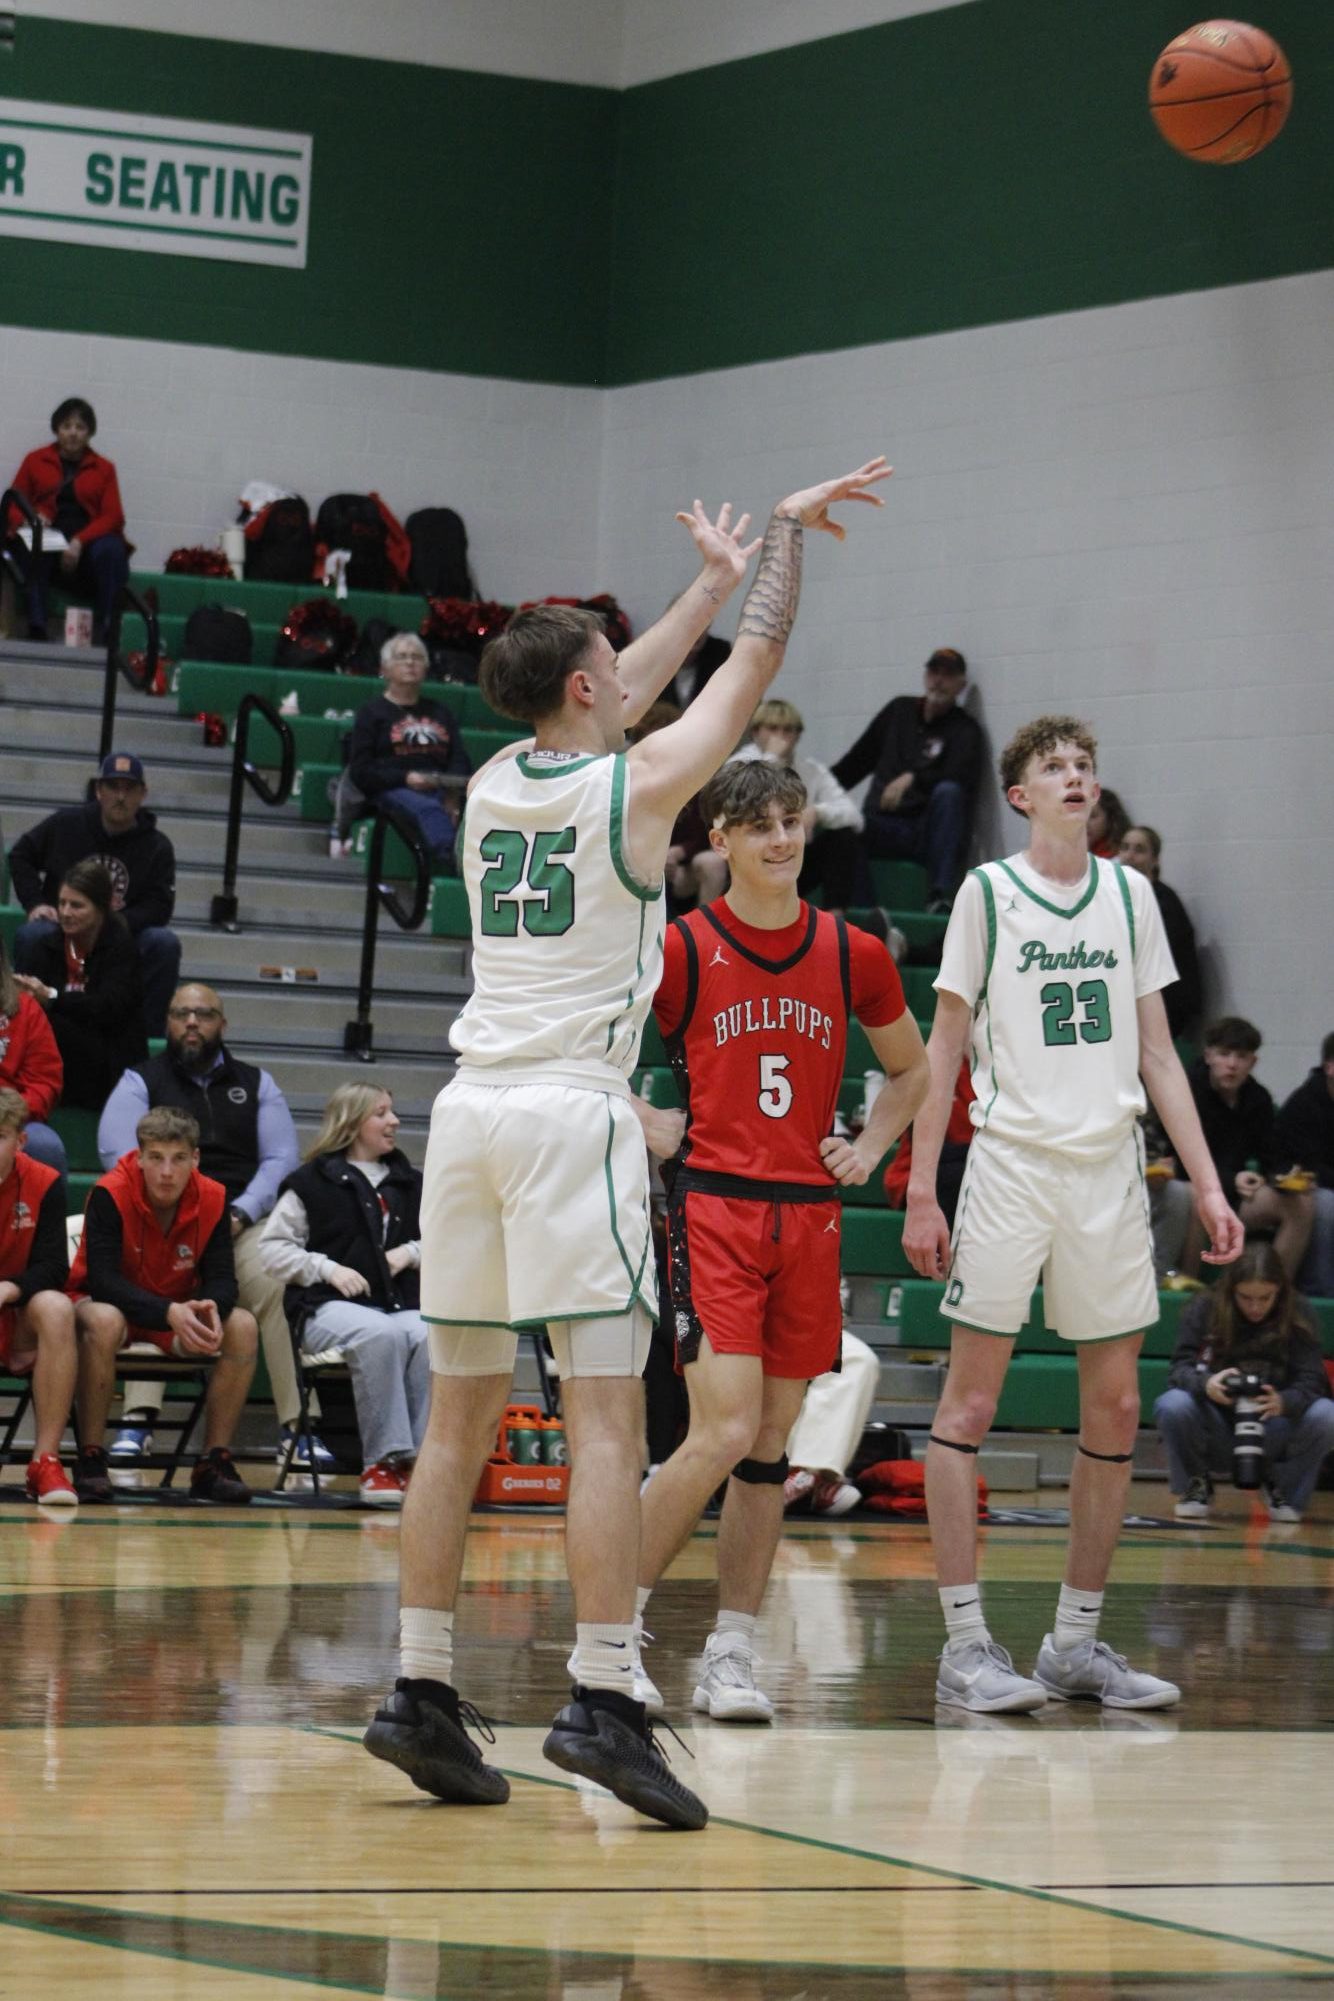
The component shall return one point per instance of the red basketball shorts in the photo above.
(756, 1278)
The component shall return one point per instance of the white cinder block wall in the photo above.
(188, 427)
(1121, 513)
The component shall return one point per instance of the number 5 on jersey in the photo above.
(548, 906)
(775, 1099)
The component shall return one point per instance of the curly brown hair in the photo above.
(742, 790)
(1041, 735)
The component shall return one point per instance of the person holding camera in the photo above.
(1247, 1356)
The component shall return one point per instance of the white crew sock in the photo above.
(740, 1623)
(961, 1607)
(1077, 1616)
(606, 1657)
(426, 1644)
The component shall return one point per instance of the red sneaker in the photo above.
(48, 1483)
(382, 1486)
(834, 1496)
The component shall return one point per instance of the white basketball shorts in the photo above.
(1028, 1213)
(535, 1207)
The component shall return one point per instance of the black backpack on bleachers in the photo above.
(439, 554)
(352, 521)
(283, 552)
(212, 632)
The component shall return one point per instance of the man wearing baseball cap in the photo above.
(116, 829)
(925, 755)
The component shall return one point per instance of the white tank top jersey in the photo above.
(1052, 975)
(567, 944)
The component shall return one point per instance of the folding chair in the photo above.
(327, 1367)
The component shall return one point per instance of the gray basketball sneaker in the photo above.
(981, 1675)
(1091, 1672)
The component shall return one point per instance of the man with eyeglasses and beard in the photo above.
(247, 1141)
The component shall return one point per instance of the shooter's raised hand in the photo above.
(811, 506)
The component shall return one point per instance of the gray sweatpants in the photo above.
(390, 1365)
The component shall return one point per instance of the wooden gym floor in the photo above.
(187, 1813)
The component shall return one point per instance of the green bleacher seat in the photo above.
(657, 1086)
(873, 1243)
(899, 886)
(270, 603)
(1041, 1393)
(80, 1188)
(925, 934)
(78, 1129)
(217, 687)
(448, 916)
(310, 789)
(11, 916)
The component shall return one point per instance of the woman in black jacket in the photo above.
(345, 1237)
(1251, 1323)
(86, 976)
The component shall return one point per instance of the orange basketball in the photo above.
(1220, 91)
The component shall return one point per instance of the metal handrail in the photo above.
(126, 600)
(222, 911)
(358, 1035)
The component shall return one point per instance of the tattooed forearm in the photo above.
(771, 602)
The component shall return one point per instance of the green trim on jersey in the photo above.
(971, 1326)
(614, 1024)
(524, 762)
(617, 835)
(1055, 908)
(989, 898)
(1124, 888)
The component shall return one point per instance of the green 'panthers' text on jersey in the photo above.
(1052, 976)
(567, 945)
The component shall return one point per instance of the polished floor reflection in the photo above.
(186, 1811)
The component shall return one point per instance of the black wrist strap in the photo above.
(954, 1445)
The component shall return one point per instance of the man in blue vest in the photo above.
(247, 1142)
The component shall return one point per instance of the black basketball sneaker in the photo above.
(421, 1729)
(606, 1737)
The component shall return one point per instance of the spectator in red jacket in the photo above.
(74, 489)
(36, 1317)
(155, 1264)
(30, 1064)
(953, 1154)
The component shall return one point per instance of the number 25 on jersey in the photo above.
(547, 896)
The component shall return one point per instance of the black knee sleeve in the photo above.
(954, 1444)
(761, 1472)
(1108, 1458)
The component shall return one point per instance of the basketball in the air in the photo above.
(1221, 91)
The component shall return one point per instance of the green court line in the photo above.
(88, 1935)
(952, 1875)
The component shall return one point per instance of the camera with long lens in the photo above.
(1248, 1432)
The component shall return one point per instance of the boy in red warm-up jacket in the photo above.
(36, 1317)
(155, 1264)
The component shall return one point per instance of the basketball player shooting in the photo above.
(535, 1205)
(1053, 968)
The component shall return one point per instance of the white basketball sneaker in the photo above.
(981, 1675)
(1091, 1672)
(726, 1688)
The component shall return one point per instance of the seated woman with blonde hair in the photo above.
(344, 1236)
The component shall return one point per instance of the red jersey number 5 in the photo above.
(775, 1099)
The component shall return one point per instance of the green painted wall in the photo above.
(458, 221)
(986, 163)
